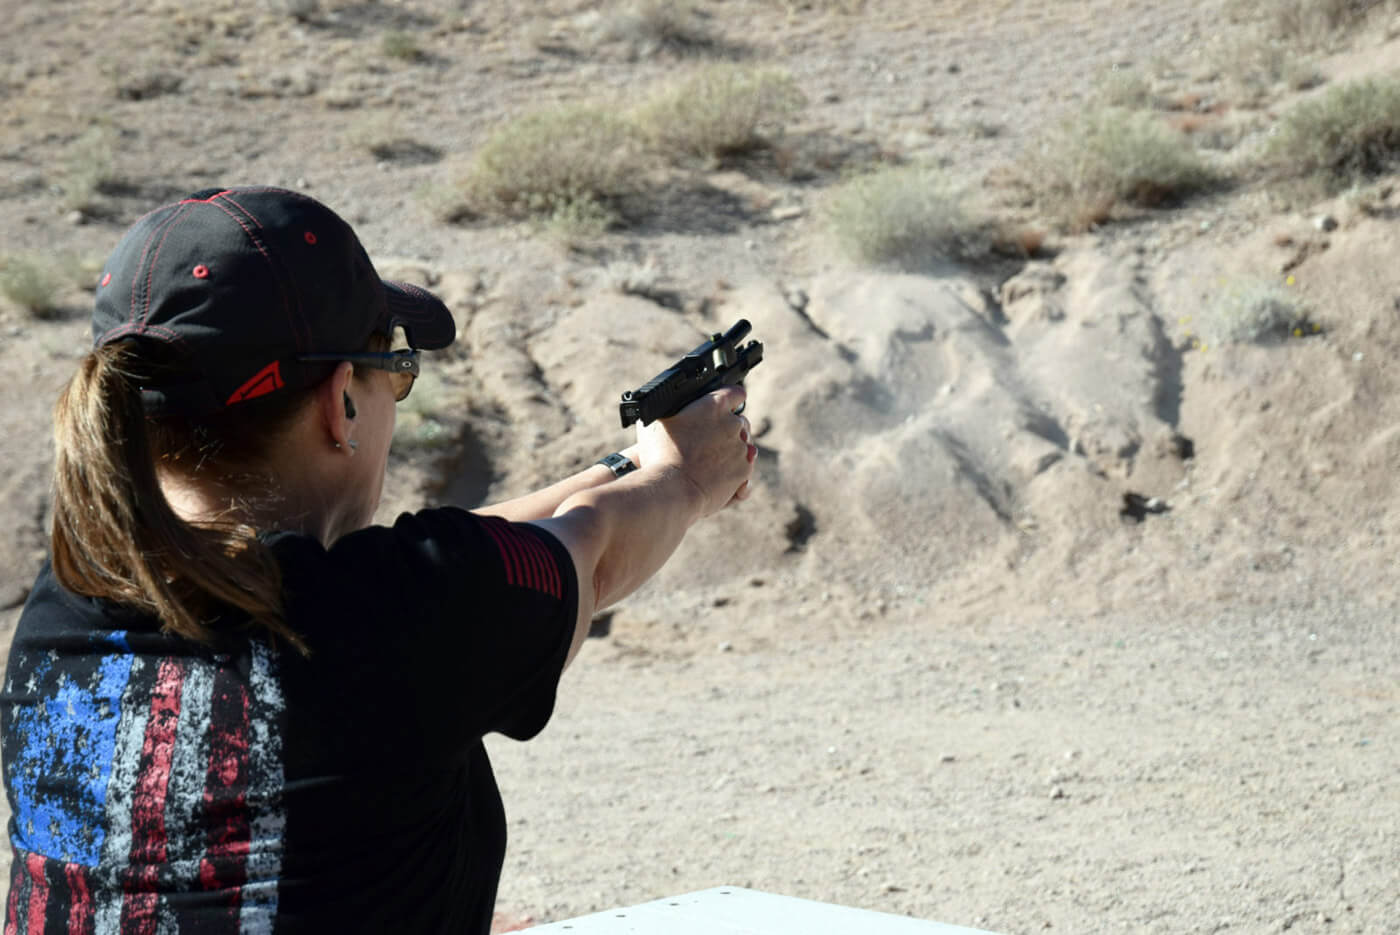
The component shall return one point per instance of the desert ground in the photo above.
(1058, 604)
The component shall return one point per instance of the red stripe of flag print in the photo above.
(80, 909)
(528, 562)
(38, 893)
(224, 866)
(148, 839)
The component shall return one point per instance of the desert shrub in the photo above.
(719, 110)
(1306, 21)
(402, 46)
(649, 26)
(32, 284)
(1253, 311)
(88, 169)
(1105, 156)
(1256, 65)
(417, 428)
(907, 216)
(1126, 87)
(568, 165)
(1343, 136)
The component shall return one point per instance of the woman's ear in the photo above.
(332, 401)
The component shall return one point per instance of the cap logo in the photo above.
(310, 238)
(106, 279)
(263, 382)
(200, 272)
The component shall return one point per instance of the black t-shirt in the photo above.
(159, 785)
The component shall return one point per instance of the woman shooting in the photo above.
(234, 704)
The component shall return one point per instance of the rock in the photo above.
(1325, 223)
(788, 212)
(76, 218)
(145, 85)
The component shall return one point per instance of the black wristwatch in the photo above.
(618, 463)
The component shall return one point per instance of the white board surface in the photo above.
(733, 910)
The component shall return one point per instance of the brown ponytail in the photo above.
(115, 535)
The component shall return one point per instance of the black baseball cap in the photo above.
(230, 287)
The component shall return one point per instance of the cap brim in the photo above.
(424, 318)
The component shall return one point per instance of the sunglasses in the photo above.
(402, 366)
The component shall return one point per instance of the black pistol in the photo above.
(719, 362)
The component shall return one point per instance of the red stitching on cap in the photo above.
(155, 258)
(200, 272)
(272, 263)
(162, 224)
(228, 196)
(105, 279)
(309, 238)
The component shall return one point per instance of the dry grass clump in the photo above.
(416, 428)
(719, 111)
(32, 284)
(568, 166)
(402, 46)
(908, 217)
(88, 170)
(1252, 311)
(1307, 22)
(651, 26)
(1256, 65)
(1341, 138)
(1108, 156)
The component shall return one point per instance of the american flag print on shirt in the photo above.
(147, 793)
(528, 561)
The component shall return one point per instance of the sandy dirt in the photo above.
(930, 667)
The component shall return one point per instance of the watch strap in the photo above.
(618, 463)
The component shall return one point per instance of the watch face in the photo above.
(618, 463)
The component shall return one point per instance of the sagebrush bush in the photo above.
(1256, 65)
(1106, 156)
(1253, 311)
(416, 427)
(402, 46)
(32, 284)
(1342, 137)
(649, 26)
(719, 110)
(570, 164)
(906, 216)
(1307, 21)
(88, 169)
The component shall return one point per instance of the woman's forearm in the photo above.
(542, 504)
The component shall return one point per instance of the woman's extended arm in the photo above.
(620, 534)
(543, 503)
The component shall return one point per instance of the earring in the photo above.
(353, 445)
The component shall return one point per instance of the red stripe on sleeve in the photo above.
(548, 570)
(497, 528)
(148, 840)
(529, 548)
(38, 893)
(529, 563)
